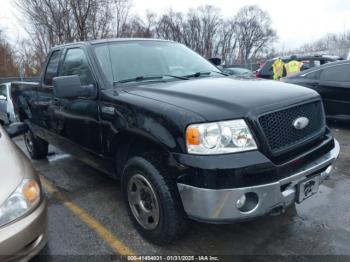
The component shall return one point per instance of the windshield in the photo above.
(124, 60)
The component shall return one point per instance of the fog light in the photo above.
(326, 174)
(248, 202)
(329, 169)
(241, 201)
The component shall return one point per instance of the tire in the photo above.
(36, 147)
(166, 220)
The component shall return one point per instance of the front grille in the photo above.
(279, 130)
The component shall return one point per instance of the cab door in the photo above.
(44, 106)
(3, 103)
(78, 118)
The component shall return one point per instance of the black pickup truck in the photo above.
(185, 140)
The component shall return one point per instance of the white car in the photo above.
(7, 114)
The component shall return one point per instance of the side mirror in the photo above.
(3, 97)
(215, 61)
(70, 87)
(16, 129)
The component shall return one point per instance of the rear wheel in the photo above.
(152, 201)
(36, 147)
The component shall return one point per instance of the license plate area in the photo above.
(307, 188)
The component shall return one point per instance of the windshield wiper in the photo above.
(178, 77)
(221, 73)
(199, 74)
(145, 78)
(138, 78)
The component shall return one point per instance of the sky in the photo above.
(296, 21)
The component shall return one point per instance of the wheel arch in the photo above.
(127, 144)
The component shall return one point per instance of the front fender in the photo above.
(151, 131)
(164, 127)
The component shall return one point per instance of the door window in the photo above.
(52, 67)
(75, 63)
(338, 73)
(3, 91)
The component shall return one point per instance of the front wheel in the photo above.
(152, 201)
(36, 147)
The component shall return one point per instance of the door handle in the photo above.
(314, 83)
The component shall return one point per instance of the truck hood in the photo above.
(220, 98)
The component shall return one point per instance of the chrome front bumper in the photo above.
(220, 205)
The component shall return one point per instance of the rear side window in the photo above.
(3, 91)
(339, 73)
(52, 67)
(76, 63)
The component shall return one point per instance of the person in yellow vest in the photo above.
(278, 67)
(34, 71)
(293, 67)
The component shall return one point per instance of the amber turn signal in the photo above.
(193, 136)
(31, 191)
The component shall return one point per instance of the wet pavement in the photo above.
(319, 226)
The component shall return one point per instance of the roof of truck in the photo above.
(98, 41)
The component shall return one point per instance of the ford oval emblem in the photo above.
(301, 123)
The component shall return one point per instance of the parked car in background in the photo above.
(23, 212)
(186, 141)
(238, 71)
(309, 61)
(7, 114)
(332, 82)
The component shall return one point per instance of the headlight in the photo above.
(24, 199)
(219, 138)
